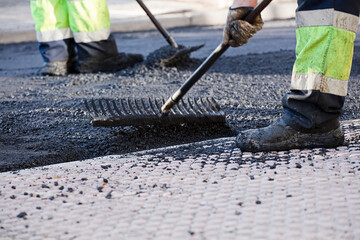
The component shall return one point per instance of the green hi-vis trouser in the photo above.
(325, 34)
(66, 28)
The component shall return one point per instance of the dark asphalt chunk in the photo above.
(105, 166)
(22, 215)
(108, 196)
(169, 56)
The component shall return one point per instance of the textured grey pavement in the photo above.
(207, 190)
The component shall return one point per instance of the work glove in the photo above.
(237, 32)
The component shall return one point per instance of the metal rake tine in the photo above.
(145, 108)
(104, 112)
(131, 107)
(216, 105)
(178, 109)
(152, 106)
(184, 106)
(116, 108)
(157, 104)
(87, 106)
(191, 107)
(109, 107)
(94, 107)
(141, 111)
(123, 107)
(211, 105)
(206, 105)
(197, 105)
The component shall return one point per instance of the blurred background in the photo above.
(16, 24)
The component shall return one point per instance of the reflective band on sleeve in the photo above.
(326, 50)
(327, 17)
(54, 35)
(84, 37)
(319, 82)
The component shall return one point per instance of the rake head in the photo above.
(142, 112)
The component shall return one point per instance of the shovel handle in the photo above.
(209, 61)
(157, 24)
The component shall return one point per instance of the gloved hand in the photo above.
(237, 31)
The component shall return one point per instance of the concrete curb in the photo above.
(186, 145)
(133, 155)
(213, 17)
(221, 194)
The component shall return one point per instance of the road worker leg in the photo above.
(325, 34)
(96, 47)
(325, 41)
(56, 44)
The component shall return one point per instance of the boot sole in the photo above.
(331, 139)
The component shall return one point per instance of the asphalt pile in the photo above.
(44, 120)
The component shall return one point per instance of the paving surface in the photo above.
(206, 190)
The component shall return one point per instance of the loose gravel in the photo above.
(43, 119)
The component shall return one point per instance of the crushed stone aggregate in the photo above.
(179, 191)
(44, 121)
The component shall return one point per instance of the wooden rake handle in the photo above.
(157, 24)
(209, 61)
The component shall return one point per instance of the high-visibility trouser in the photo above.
(325, 35)
(63, 25)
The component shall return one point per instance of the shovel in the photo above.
(178, 53)
(139, 112)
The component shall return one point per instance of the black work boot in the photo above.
(110, 64)
(57, 68)
(280, 137)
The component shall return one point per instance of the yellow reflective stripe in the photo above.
(317, 81)
(54, 35)
(49, 14)
(324, 49)
(327, 17)
(88, 16)
(83, 37)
